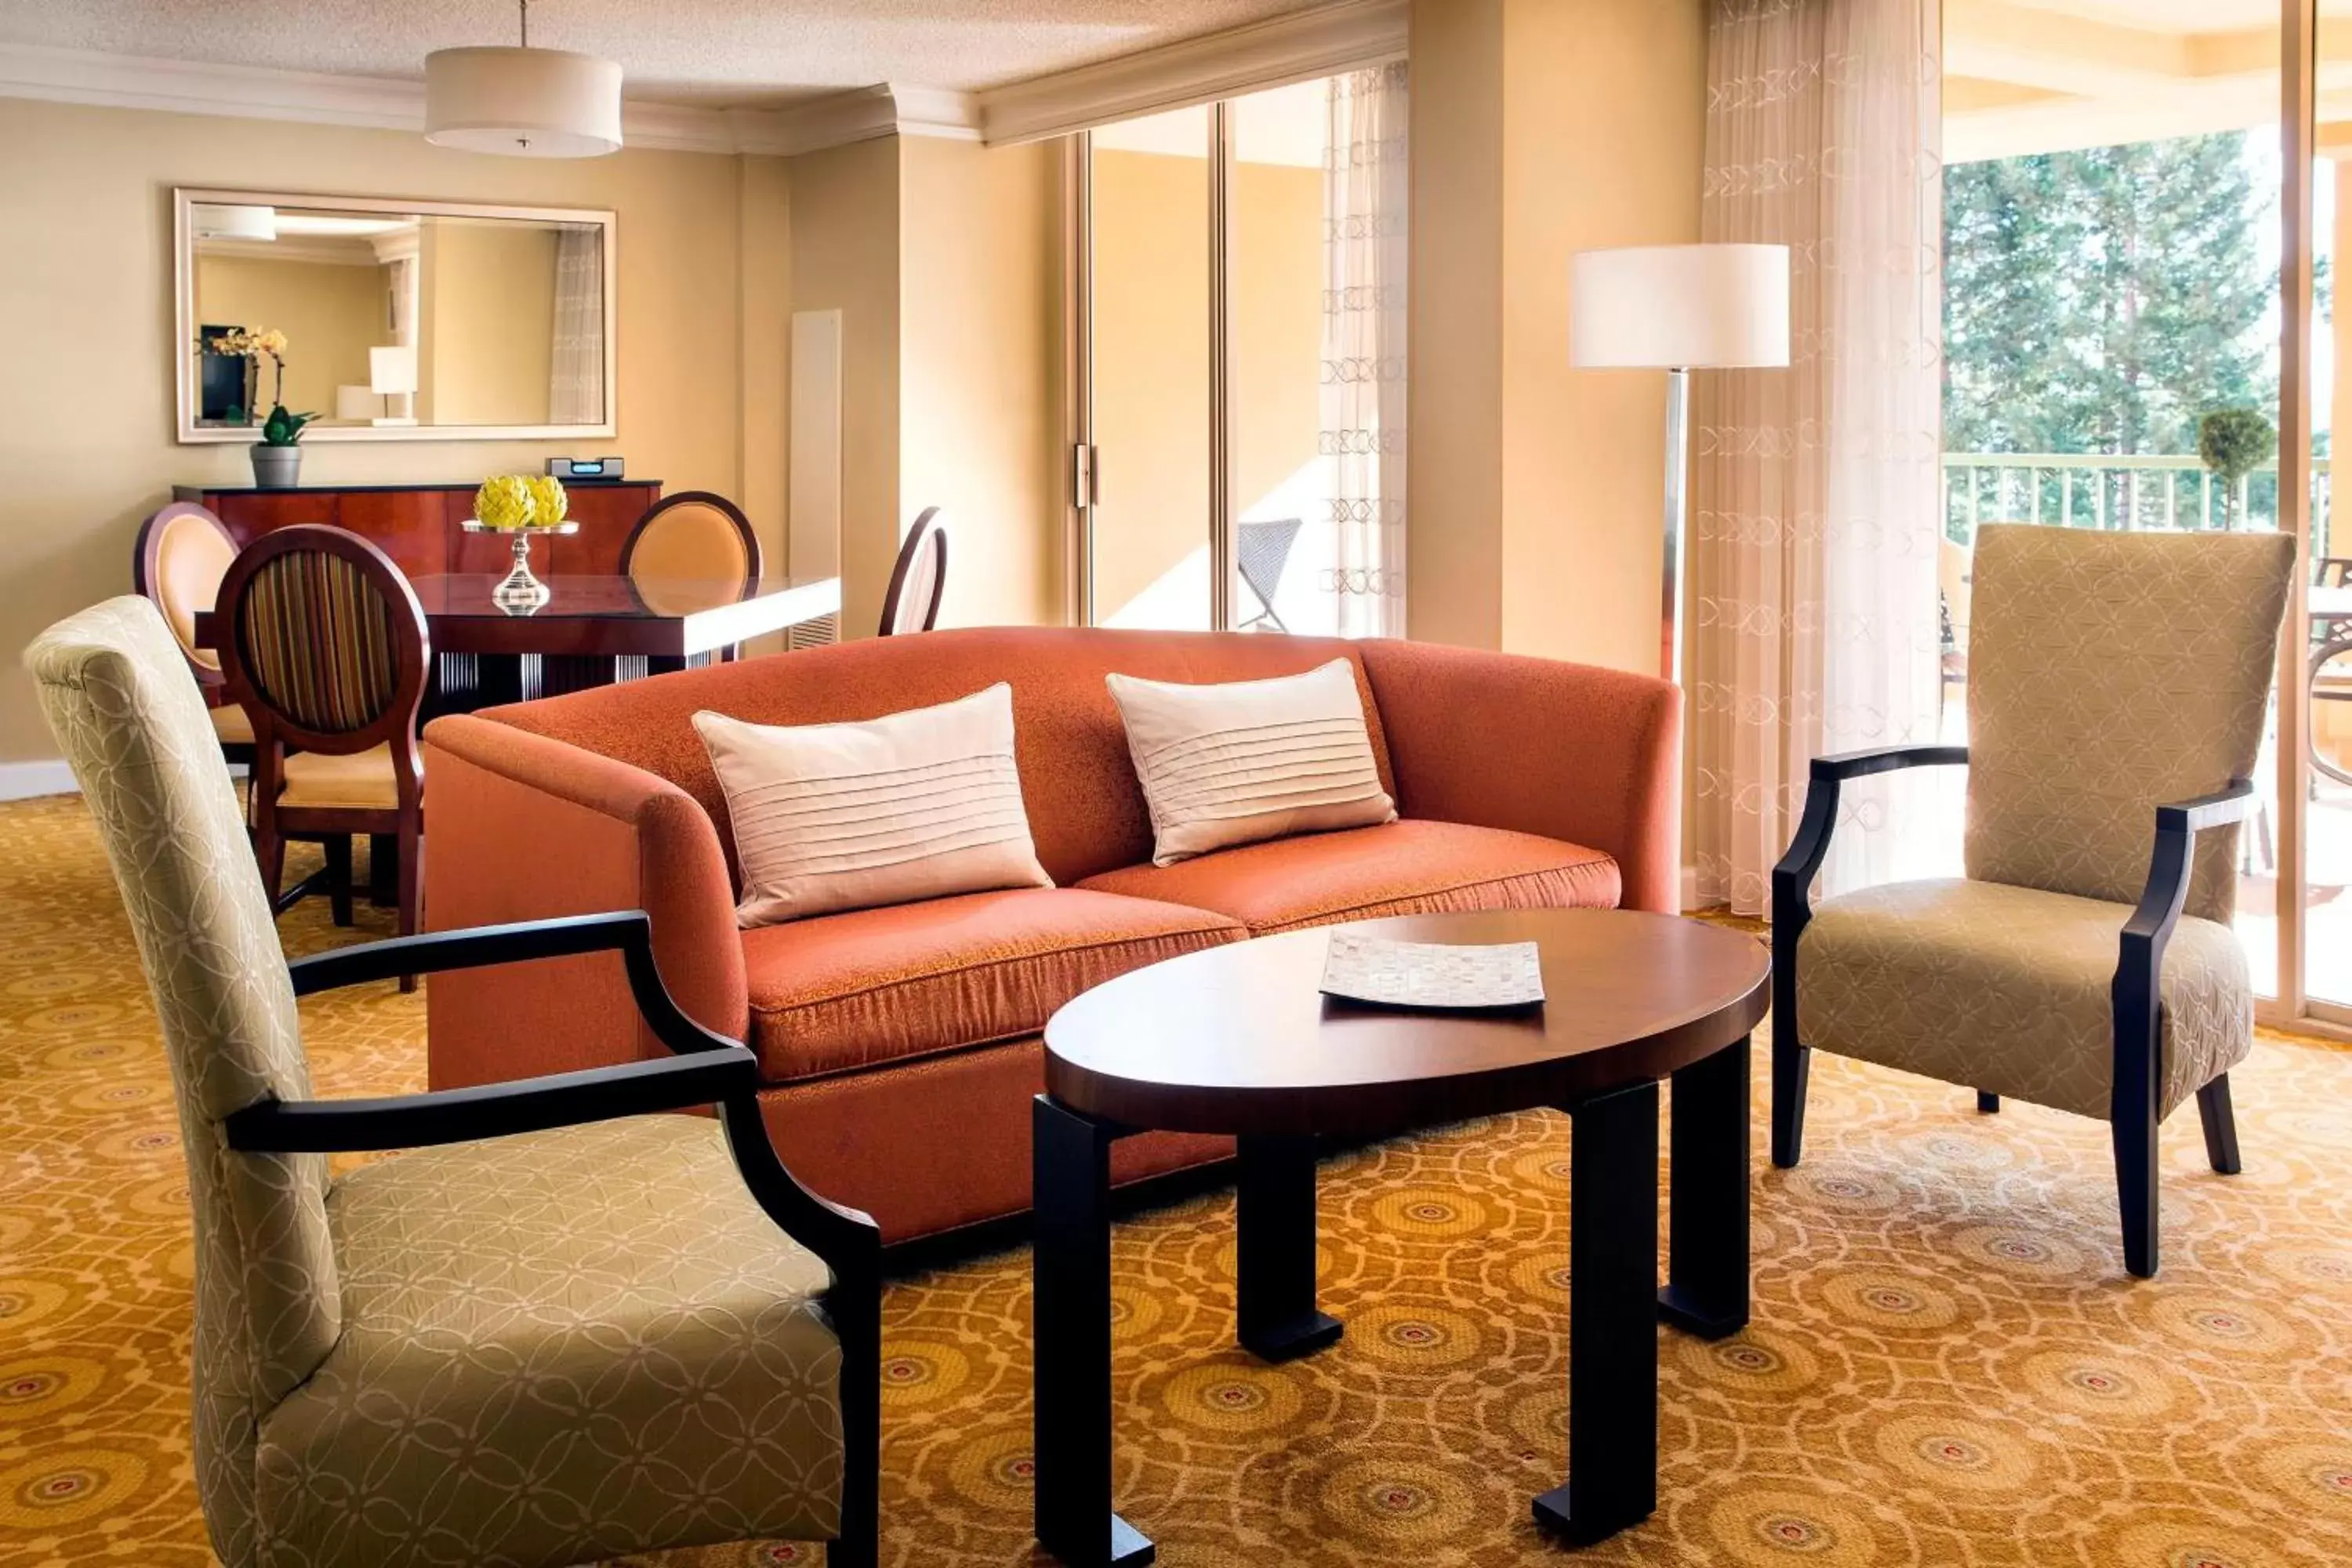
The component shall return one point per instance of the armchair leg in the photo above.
(2220, 1121)
(2135, 1138)
(1792, 1066)
(338, 877)
(1988, 1104)
(857, 1317)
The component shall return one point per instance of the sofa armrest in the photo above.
(1567, 750)
(519, 826)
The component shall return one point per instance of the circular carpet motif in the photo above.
(1947, 1363)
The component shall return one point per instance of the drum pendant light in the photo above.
(524, 102)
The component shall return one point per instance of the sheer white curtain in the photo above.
(1363, 439)
(1815, 488)
(576, 392)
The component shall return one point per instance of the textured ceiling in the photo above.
(715, 53)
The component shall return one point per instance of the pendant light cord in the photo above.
(525, 7)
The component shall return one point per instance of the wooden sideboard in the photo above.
(417, 525)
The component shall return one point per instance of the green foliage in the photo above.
(2099, 302)
(2233, 443)
(282, 428)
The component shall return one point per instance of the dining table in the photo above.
(593, 630)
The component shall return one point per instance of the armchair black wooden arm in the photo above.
(707, 1070)
(1792, 908)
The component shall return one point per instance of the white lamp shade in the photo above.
(529, 103)
(1679, 307)
(354, 402)
(392, 369)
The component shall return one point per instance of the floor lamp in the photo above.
(1678, 308)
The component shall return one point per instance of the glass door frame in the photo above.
(1081, 456)
(2295, 1006)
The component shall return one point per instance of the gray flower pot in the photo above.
(277, 467)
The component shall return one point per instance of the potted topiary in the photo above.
(2233, 443)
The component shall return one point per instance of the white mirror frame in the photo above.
(184, 317)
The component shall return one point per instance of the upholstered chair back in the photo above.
(326, 637)
(911, 603)
(182, 553)
(2109, 674)
(691, 537)
(117, 692)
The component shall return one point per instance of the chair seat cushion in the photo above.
(2006, 989)
(1404, 868)
(556, 1348)
(354, 781)
(231, 725)
(867, 986)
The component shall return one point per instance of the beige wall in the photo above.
(85, 290)
(330, 314)
(845, 257)
(980, 356)
(1541, 128)
(489, 307)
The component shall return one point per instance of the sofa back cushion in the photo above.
(1086, 810)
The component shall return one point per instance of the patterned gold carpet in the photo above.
(1948, 1365)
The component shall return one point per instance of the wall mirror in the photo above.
(391, 319)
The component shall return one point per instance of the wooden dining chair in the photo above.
(323, 645)
(694, 536)
(177, 562)
(920, 576)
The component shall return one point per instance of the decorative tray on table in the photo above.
(1433, 975)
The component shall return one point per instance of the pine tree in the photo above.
(2100, 302)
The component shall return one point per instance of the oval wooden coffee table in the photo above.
(1239, 1039)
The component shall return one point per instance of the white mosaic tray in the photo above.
(1431, 974)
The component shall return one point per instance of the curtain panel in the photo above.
(1362, 440)
(1816, 489)
(575, 391)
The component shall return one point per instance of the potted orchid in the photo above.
(276, 460)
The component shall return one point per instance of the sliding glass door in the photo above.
(2141, 335)
(1150, 530)
(1239, 312)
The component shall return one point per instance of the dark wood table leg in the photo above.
(1071, 1343)
(384, 869)
(1274, 1214)
(1612, 1320)
(1706, 1239)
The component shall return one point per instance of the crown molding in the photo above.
(1274, 53)
(385, 103)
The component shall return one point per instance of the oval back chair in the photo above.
(177, 562)
(920, 576)
(324, 647)
(694, 536)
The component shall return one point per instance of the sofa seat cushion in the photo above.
(1411, 867)
(867, 986)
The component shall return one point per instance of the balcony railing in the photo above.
(2101, 491)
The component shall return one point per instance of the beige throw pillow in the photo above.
(845, 817)
(1248, 760)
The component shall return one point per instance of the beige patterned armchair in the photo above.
(2117, 690)
(551, 1334)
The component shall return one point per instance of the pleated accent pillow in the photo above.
(913, 805)
(1247, 760)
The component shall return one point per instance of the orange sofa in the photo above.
(901, 1044)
